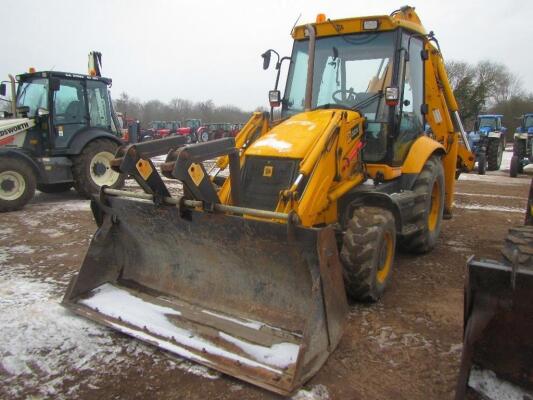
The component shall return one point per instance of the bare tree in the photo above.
(179, 109)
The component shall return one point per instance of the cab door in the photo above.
(70, 114)
(411, 118)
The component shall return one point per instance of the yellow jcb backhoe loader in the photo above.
(248, 273)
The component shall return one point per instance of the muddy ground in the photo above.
(407, 346)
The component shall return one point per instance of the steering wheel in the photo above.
(349, 94)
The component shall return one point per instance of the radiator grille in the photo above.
(263, 178)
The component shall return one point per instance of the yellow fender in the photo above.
(423, 148)
(419, 153)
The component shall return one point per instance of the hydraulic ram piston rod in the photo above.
(195, 203)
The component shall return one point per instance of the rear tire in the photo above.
(17, 184)
(519, 244)
(92, 170)
(428, 209)
(494, 154)
(203, 137)
(367, 253)
(513, 169)
(54, 187)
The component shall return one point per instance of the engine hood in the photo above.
(293, 137)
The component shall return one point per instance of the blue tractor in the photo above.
(487, 142)
(523, 142)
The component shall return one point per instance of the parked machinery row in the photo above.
(192, 129)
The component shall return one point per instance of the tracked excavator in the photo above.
(249, 271)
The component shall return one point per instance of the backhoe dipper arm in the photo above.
(466, 158)
(443, 117)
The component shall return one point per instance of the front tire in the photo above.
(481, 164)
(92, 169)
(54, 187)
(17, 184)
(367, 253)
(494, 154)
(514, 167)
(428, 209)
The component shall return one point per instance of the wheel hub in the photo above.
(12, 185)
(7, 185)
(99, 169)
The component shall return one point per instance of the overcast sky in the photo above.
(199, 50)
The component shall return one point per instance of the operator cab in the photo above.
(71, 102)
(379, 74)
(527, 123)
(490, 123)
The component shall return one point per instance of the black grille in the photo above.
(261, 191)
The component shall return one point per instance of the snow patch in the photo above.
(21, 249)
(318, 392)
(277, 144)
(496, 196)
(279, 355)
(488, 384)
(7, 253)
(119, 303)
(41, 344)
(495, 179)
(4, 234)
(484, 207)
(153, 324)
(199, 370)
(52, 233)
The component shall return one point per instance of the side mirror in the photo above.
(2, 89)
(42, 112)
(266, 59)
(476, 125)
(23, 111)
(274, 97)
(54, 84)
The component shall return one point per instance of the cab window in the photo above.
(99, 107)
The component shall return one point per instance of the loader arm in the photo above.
(248, 133)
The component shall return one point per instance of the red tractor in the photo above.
(161, 129)
(194, 131)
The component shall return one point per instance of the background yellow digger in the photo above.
(247, 273)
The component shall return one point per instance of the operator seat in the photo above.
(73, 112)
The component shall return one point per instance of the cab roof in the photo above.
(490, 116)
(406, 18)
(62, 75)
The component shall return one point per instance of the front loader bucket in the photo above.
(497, 357)
(261, 301)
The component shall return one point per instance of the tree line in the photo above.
(179, 109)
(488, 88)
